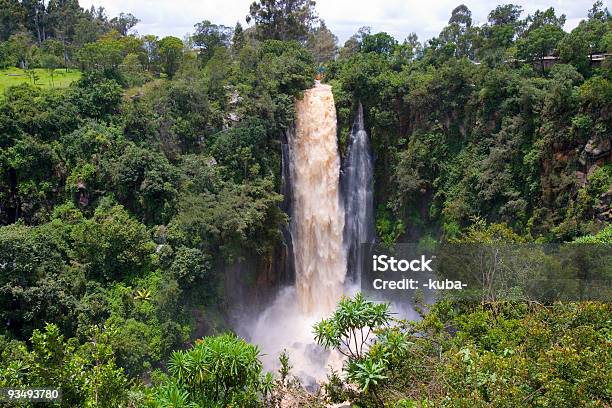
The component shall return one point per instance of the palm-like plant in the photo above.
(267, 385)
(172, 395)
(366, 374)
(142, 294)
(178, 366)
(349, 329)
(219, 370)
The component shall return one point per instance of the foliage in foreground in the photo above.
(495, 354)
(456, 355)
(221, 371)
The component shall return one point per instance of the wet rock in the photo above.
(597, 148)
(316, 353)
(310, 384)
(83, 195)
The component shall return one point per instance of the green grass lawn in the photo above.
(15, 76)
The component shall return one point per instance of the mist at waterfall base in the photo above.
(330, 217)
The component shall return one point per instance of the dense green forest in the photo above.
(125, 196)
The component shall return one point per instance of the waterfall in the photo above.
(330, 219)
(286, 206)
(317, 221)
(357, 189)
(311, 184)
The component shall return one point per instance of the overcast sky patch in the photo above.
(344, 17)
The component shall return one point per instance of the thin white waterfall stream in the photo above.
(358, 192)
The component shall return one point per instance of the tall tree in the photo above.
(63, 18)
(37, 18)
(542, 36)
(323, 44)
(90, 27)
(124, 22)
(412, 43)
(352, 45)
(505, 14)
(238, 39)
(151, 46)
(170, 54)
(542, 18)
(381, 43)
(12, 17)
(587, 39)
(499, 33)
(458, 31)
(208, 37)
(20, 45)
(282, 19)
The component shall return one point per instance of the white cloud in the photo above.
(343, 17)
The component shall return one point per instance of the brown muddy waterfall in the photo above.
(316, 226)
(318, 217)
(331, 212)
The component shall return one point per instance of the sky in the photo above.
(344, 17)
